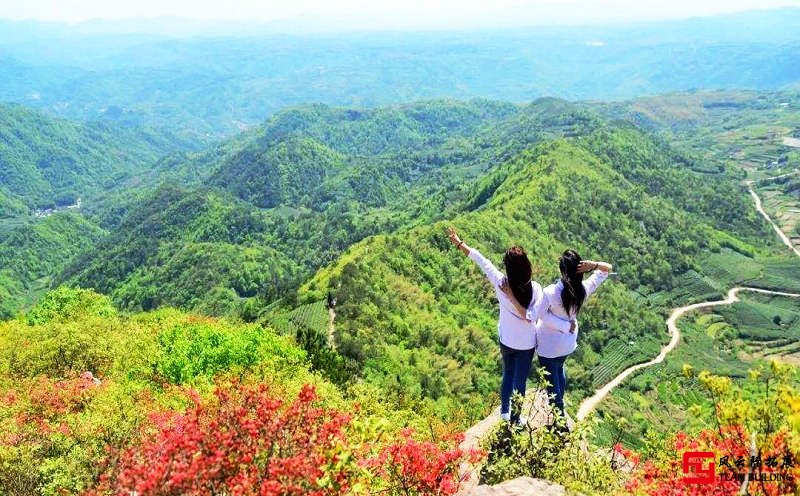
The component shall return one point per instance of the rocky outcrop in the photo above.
(517, 487)
(537, 411)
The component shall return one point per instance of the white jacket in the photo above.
(553, 340)
(514, 331)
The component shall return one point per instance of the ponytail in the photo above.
(574, 293)
(519, 272)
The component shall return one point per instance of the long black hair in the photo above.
(574, 293)
(518, 271)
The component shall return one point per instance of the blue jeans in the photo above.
(556, 379)
(516, 365)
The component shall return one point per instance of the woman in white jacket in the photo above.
(516, 332)
(561, 302)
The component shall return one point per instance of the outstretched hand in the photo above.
(590, 265)
(453, 235)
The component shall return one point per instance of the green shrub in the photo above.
(67, 303)
(56, 349)
(206, 348)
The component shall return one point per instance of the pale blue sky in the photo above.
(386, 14)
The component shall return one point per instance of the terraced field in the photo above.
(781, 200)
(310, 317)
(767, 327)
(617, 358)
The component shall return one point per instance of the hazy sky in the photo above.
(386, 13)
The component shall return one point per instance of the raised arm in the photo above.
(599, 271)
(590, 265)
(488, 268)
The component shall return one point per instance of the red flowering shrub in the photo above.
(757, 441)
(30, 416)
(249, 442)
(40, 419)
(409, 466)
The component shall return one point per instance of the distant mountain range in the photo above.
(208, 81)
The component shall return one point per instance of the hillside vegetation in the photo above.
(31, 252)
(47, 162)
(89, 398)
(400, 296)
(296, 193)
(742, 132)
(361, 198)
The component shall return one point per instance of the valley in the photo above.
(744, 327)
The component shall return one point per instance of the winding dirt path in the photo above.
(331, 328)
(590, 403)
(781, 234)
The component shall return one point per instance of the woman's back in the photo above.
(513, 330)
(553, 342)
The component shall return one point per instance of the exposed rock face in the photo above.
(518, 487)
(537, 410)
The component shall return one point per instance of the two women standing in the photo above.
(531, 316)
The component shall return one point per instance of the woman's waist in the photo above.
(552, 327)
(512, 323)
(558, 315)
(554, 343)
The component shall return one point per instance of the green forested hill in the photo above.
(418, 318)
(294, 194)
(399, 128)
(289, 198)
(33, 251)
(11, 207)
(322, 203)
(236, 229)
(292, 172)
(384, 148)
(47, 162)
(195, 249)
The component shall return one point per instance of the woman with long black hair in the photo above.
(516, 331)
(561, 303)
